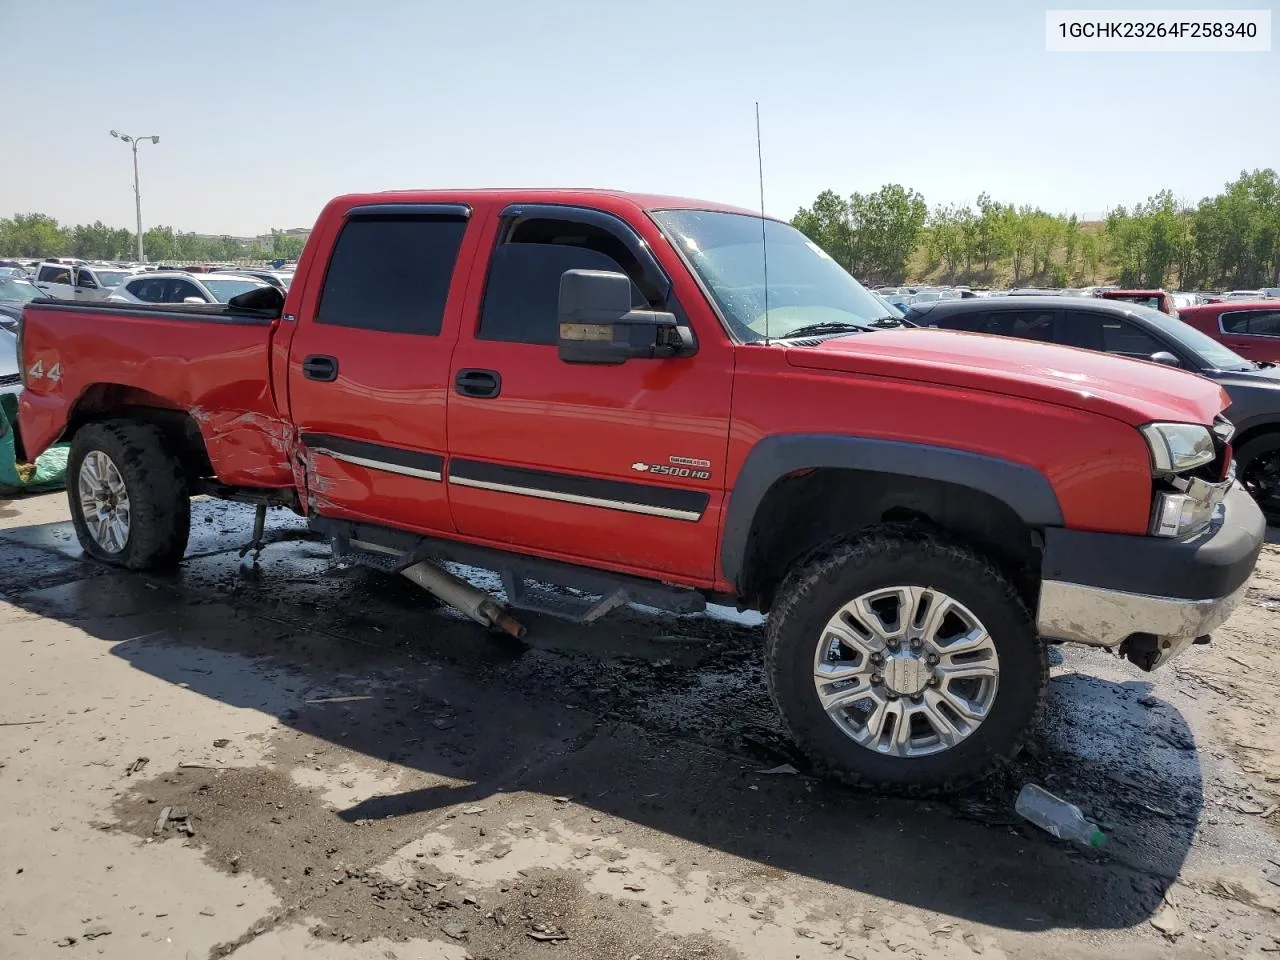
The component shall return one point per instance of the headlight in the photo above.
(1178, 447)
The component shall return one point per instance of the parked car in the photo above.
(276, 278)
(1140, 333)
(1271, 293)
(69, 281)
(180, 287)
(10, 380)
(1155, 299)
(1250, 329)
(13, 273)
(1244, 295)
(10, 314)
(14, 290)
(585, 388)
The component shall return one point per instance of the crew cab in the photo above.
(601, 391)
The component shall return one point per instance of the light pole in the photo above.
(137, 194)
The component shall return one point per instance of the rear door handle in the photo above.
(317, 367)
(483, 384)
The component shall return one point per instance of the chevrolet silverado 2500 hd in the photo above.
(599, 390)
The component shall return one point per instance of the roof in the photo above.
(978, 304)
(565, 195)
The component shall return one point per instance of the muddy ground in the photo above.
(365, 777)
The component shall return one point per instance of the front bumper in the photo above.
(1148, 596)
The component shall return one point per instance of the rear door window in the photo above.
(1108, 333)
(1024, 324)
(1262, 323)
(392, 273)
(54, 275)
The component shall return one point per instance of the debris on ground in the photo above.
(136, 766)
(221, 742)
(547, 934)
(180, 819)
(96, 931)
(350, 699)
(781, 768)
(1167, 921)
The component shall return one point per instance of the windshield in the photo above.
(1211, 351)
(224, 289)
(18, 290)
(806, 286)
(111, 278)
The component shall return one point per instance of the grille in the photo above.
(10, 379)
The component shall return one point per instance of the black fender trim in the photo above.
(1024, 489)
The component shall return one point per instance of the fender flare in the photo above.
(1023, 489)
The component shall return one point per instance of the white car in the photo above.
(174, 286)
(79, 281)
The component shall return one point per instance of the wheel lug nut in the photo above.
(934, 681)
(916, 644)
(932, 659)
(893, 698)
(876, 679)
(916, 698)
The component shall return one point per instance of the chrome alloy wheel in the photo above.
(906, 671)
(104, 501)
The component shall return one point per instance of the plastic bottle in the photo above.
(1063, 820)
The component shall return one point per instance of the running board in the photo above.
(525, 579)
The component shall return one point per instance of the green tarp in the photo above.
(48, 472)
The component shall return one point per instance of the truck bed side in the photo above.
(89, 361)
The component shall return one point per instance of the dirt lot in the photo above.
(368, 778)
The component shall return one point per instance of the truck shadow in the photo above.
(664, 723)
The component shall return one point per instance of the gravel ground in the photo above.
(313, 762)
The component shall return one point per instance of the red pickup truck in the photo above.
(600, 391)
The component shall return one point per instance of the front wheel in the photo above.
(128, 496)
(1258, 463)
(903, 661)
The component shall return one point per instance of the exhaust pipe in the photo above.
(475, 603)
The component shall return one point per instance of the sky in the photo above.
(267, 109)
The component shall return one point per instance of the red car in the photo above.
(600, 391)
(1155, 299)
(1250, 328)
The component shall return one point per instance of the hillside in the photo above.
(924, 269)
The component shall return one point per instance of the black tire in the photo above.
(908, 556)
(1258, 466)
(159, 501)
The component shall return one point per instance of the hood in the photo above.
(1265, 377)
(1134, 391)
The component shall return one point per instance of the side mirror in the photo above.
(1167, 358)
(598, 325)
(193, 300)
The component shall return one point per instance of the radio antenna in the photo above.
(764, 234)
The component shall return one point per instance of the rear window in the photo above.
(392, 273)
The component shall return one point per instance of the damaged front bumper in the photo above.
(1149, 597)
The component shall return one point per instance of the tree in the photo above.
(32, 235)
(886, 228)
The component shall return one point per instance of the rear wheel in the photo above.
(903, 661)
(128, 496)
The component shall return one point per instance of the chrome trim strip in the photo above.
(644, 508)
(380, 465)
